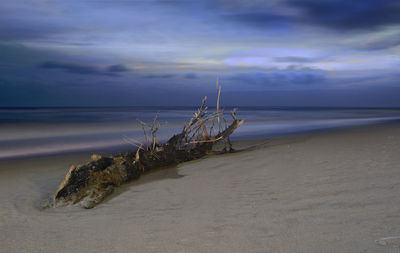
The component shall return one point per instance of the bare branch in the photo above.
(132, 141)
(144, 125)
(218, 119)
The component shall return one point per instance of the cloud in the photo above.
(161, 76)
(21, 30)
(382, 43)
(290, 78)
(258, 19)
(265, 45)
(277, 58)
(190, 76)
(118, 68)
(71, 67)
(349, 15)
(294, 59)
(343, 15)
(22, 22)
(169, 76)
(17, 55)
(84, 69)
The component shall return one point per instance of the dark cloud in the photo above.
(83, 69)
(161, 76)
(17, 55)
(25, 24)
(190, 76)
(70, 67)
(258, 19)
(349, 15)
(294, 67)
(66, 43)
(341, 15)
(118, 68)
(294, 59)
(292, 77)
(168, 76)
(12, 31)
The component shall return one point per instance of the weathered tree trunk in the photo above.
(88, 184)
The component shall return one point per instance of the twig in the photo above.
(218, 97)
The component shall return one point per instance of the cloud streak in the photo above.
(349, 15)
(118, 68)
(84, 69)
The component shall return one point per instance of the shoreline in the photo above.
(333, 191)
(44, 133)
(110, 151)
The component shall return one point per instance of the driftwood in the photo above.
(88, 184)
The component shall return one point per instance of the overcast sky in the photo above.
(126, 52)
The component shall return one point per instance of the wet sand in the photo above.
(326, 192)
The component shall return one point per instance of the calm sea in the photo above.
(43, 131)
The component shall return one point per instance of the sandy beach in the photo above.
(324, 192)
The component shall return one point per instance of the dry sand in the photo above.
(330, 192)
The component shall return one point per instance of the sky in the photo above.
(161, 52)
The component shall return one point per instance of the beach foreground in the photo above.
(326, 192)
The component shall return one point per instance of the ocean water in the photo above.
(43, 131)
